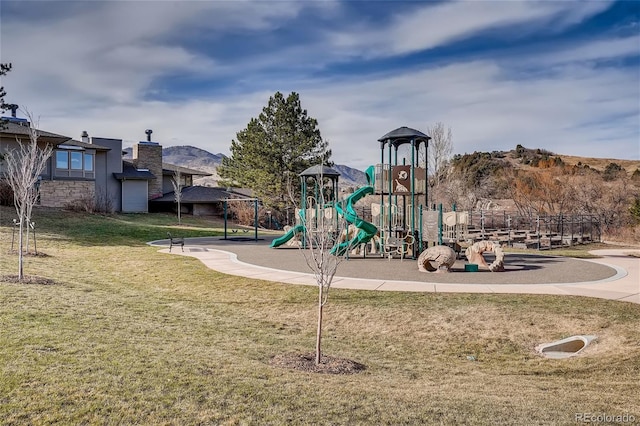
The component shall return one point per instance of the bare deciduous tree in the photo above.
(176, 182)
(440, 149)
(23, 168)
(320, 234)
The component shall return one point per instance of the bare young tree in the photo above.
(320, 235)
(176, 182)
(440, 149)
(23, 168)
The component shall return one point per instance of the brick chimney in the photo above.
(148, 155)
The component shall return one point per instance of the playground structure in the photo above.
(396, 220)
(402, 225)
(319, 188)
(321, 212)
(403, 192)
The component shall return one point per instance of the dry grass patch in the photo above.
(132, 336)
(28, 279)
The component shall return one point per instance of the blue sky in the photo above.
(558, 75)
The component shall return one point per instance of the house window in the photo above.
(76, 160)
(62, 160)
(77, 163)
(88, 162)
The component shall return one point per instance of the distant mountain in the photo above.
(350, 177)
(190, 154)
(200, 159)
(195, 158)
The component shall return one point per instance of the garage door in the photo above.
(135, 196)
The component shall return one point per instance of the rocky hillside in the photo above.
(479, 168)
(536, 181)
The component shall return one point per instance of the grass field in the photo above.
(128, 335)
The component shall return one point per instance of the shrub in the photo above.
(612, 172)
(244, 212)
(634, 210)
(90, 204)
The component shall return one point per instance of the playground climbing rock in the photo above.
(443, 256)
(475, 256)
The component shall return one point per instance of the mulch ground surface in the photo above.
(307, 362)
(520, 268)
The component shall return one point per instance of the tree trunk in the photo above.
(179, 218)
(26, 243)
(20, 252)
(319, 332)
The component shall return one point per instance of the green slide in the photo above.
(366, 230)
(286, 237)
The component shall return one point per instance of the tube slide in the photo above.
(286, 237)
(366, 230)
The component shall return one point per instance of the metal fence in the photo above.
(534, 232)
(541, 231)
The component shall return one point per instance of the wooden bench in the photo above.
(173, 241)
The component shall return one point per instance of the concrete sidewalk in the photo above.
(624, 285)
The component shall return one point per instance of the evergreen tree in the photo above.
(4, 69)
(269, 154)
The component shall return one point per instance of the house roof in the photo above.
(199, 195)
(169, 169)
(86, 145)
(21, 128)
(131, 172)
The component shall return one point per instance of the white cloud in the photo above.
(592, 50)
(433, 25)
(564, 113)
(113, 51)
(92, 71)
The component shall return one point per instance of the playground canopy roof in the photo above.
(320, 170)
(403, 135)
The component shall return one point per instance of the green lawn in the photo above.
(128, 335)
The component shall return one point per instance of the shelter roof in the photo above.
(320, 170)
(403, 135)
